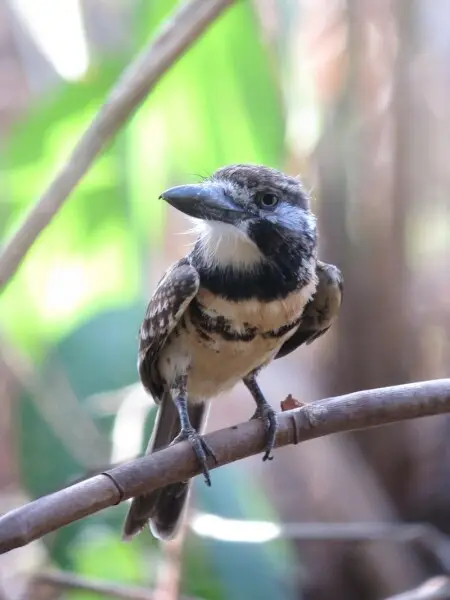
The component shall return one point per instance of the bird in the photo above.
(250, 290)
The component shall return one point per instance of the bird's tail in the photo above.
(163, 508)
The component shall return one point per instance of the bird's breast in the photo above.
(253, 313)
(220, 341)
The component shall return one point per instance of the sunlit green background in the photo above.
(76, 303)
(354, 96)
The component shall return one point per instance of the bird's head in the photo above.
(248, 214)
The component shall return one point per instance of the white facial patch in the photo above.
(227, 245)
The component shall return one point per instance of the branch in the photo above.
(359, 410)
(174, 37)
(67, 418)
(169, 571)
(210, 525)
(70, 581)
(437, 588)
(247, 531)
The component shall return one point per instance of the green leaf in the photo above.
(86, 259)
(218, 104)
(99, 553)
(100, 355)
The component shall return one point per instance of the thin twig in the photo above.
(244, 530)
(169, 572)
(359, 410)
(436, 588)
(70, 581)
(174, 37)
(202, 524)
(71, 424)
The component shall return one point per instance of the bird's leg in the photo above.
(265, 412)
(201, 448)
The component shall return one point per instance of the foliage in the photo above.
(76, 303)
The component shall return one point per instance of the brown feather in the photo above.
(321, 310)
(172, 296)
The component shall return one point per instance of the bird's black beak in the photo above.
(207, 201)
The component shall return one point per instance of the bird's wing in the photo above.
(320, 311)
(171, 298)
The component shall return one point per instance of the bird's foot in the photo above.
(201, 448)
(269, 417)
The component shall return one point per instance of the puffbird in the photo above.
(251, 290)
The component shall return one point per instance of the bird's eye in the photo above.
(267, 200)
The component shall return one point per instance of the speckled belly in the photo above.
(215, 363)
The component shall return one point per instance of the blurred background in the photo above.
(355, 97)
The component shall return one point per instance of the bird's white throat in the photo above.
(226, 245)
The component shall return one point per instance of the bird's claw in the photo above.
(269, 417)
(201, 448)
